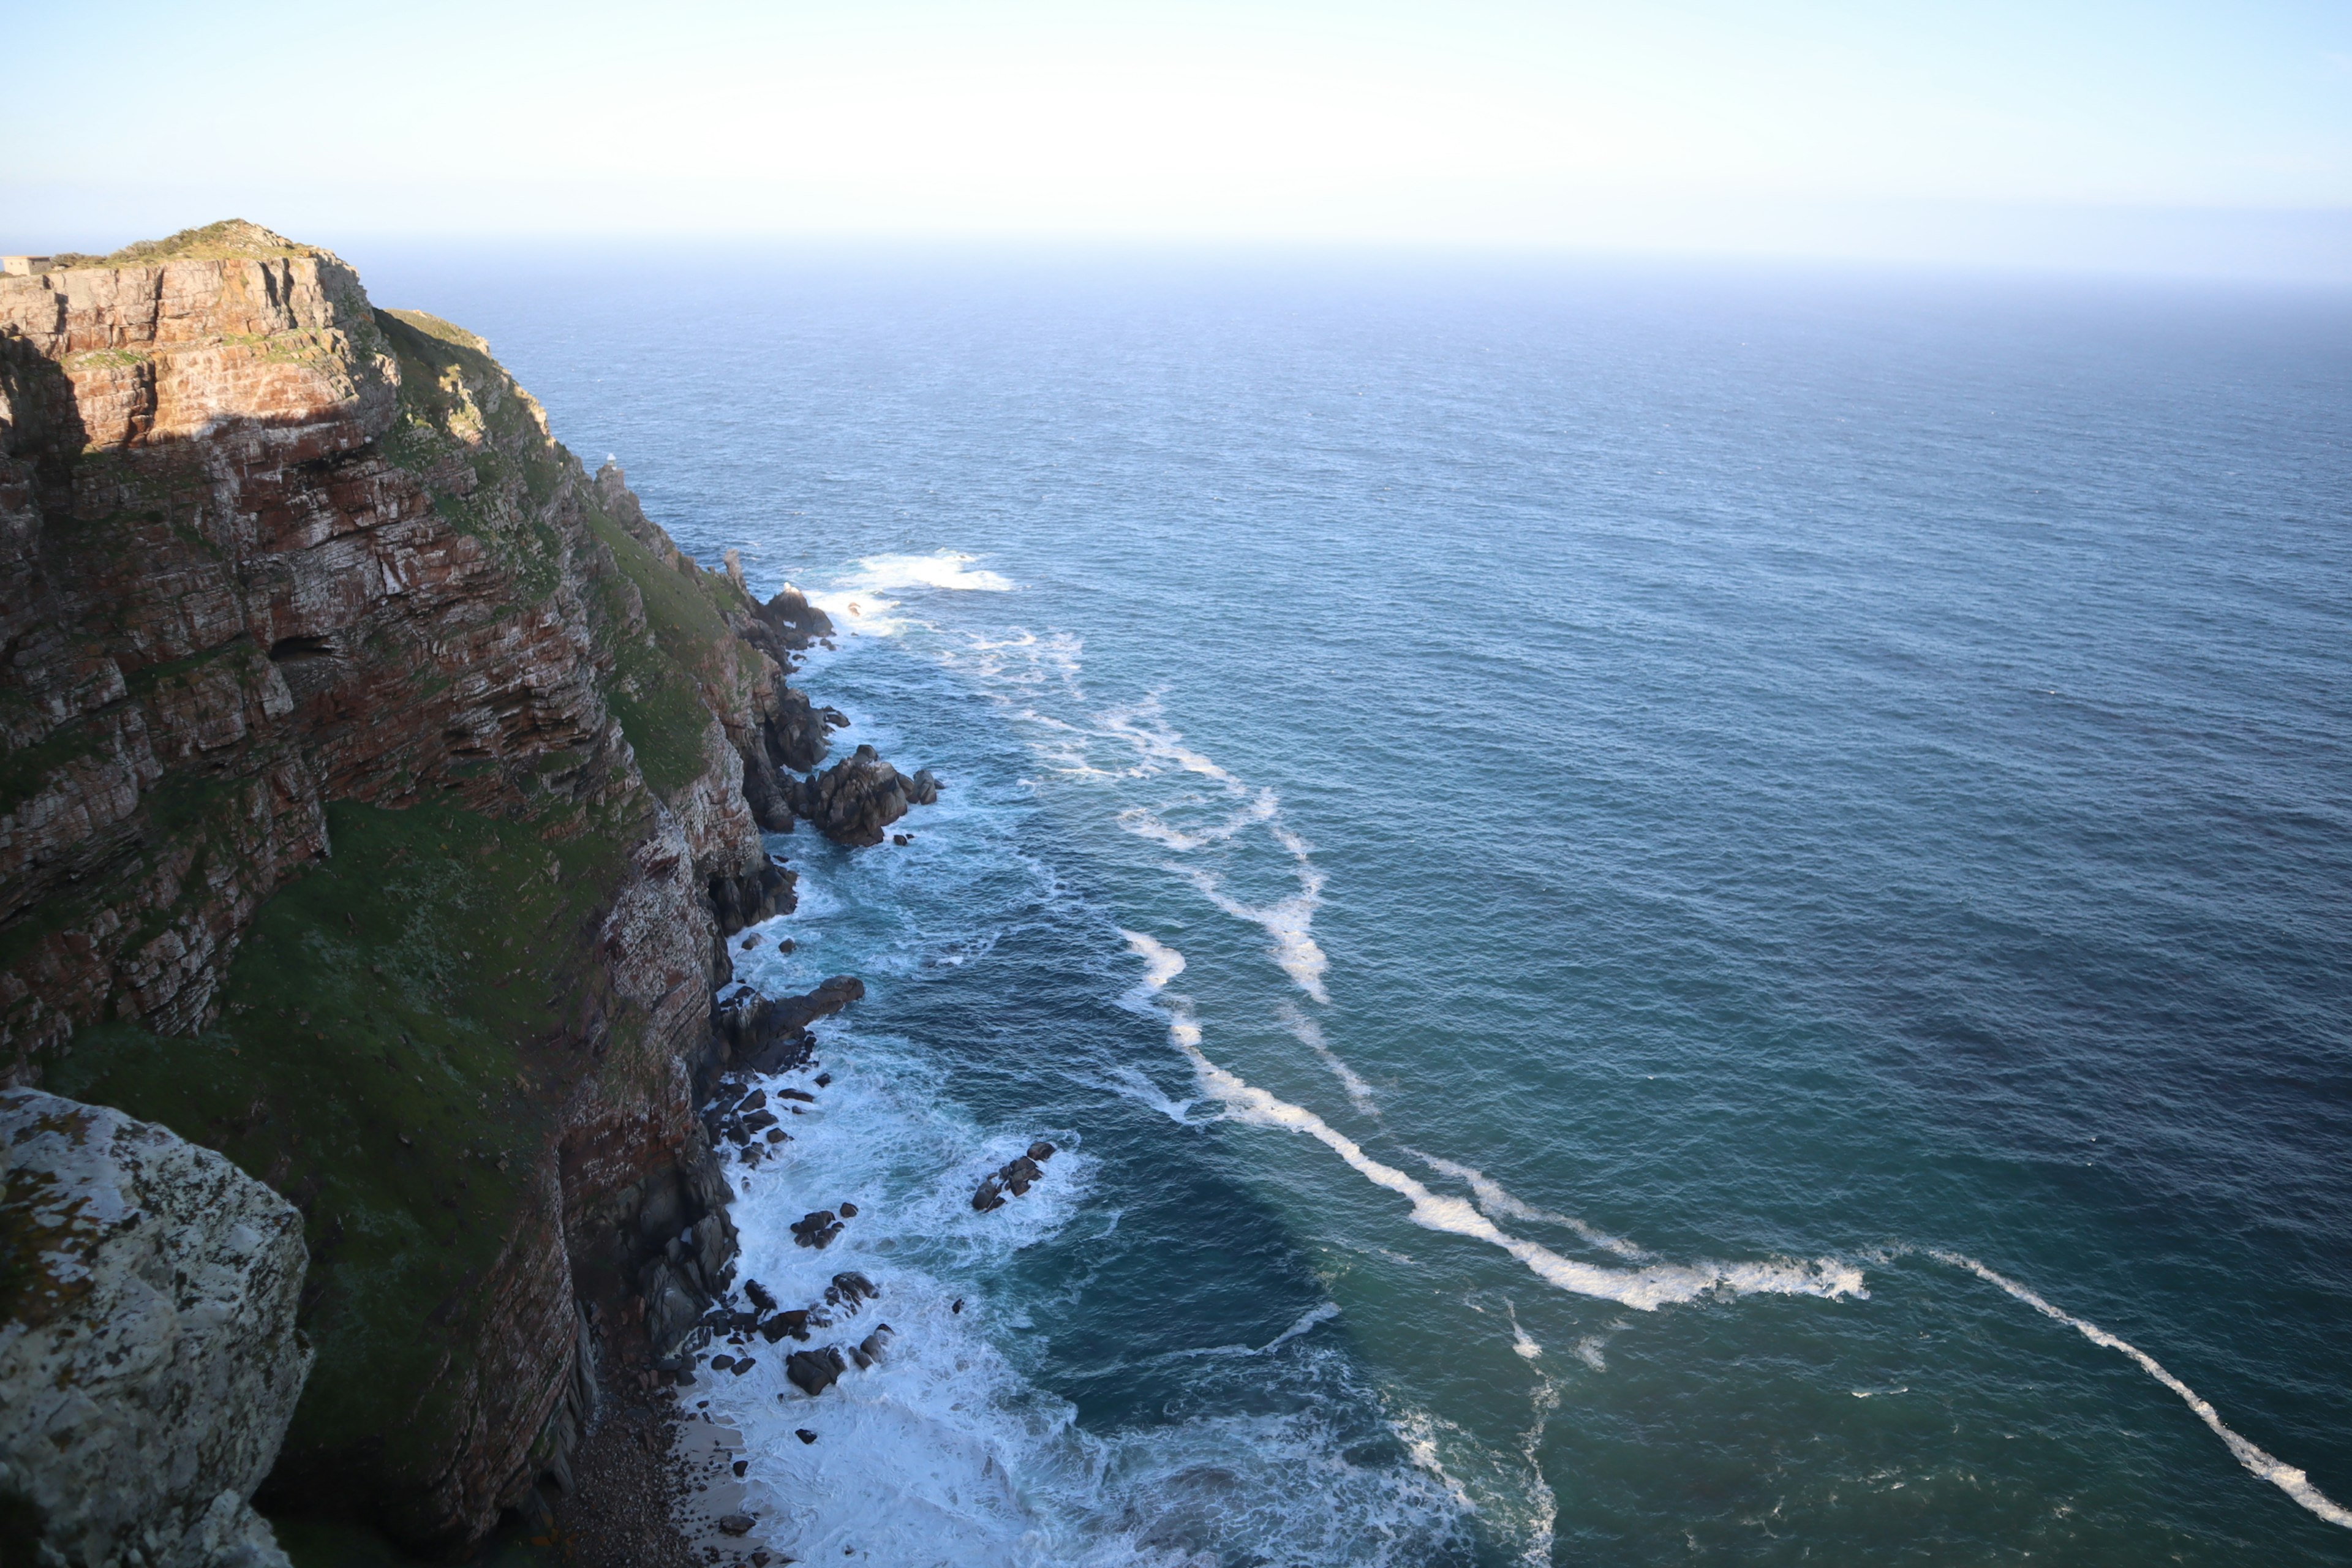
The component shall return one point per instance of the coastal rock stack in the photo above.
(377, 792)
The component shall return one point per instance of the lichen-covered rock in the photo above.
(149, 1358)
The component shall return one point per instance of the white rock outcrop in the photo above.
(149, 1358)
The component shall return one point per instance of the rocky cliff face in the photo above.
(149, 1359)
(376, 792)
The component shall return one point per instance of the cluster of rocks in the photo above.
(856, 801)
(810, 1370)
(758, 1034)
(818, 1228)
(784, 625)
(1014, 1176)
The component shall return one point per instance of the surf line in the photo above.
(2268, 1465)
(1647, 1289)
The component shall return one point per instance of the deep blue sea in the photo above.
(1665, 912)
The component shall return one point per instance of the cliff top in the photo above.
(433, 326)
(214, 242)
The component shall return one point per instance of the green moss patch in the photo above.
(397, 1035)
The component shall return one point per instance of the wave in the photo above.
(1310, 1034)
(1645, 1289)
(2258, 1462)
(858, 602)
(1144, 823)
(939, 569)
(1498, 1203)
(1289, 921)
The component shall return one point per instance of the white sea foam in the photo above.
(1144, 823)
(939, 569)
(1310, 1034)
(2277, 1471)
(1129, 1083)
(1289, 921)
(1523, 1344)
(859, 603)
(1500, 1204)
(1305, 1324)
(1646, 1288)
(1162, 964)
(1159, 745)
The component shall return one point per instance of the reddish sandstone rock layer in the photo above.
(270, 555)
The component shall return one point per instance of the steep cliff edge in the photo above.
(377, 791)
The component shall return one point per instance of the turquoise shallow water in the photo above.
(1710, 819)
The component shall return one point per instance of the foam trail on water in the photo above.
(1162, 964)
(1310, 1035)
(1323, 1314)
(1144, 824)
(1647, 1288)
(1129, 1083)
(1159, 746)
(2277, 1471)
(1289, 921)
(1498, 1203)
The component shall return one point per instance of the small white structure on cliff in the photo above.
(21, 266)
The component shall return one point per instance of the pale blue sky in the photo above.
(2168, 136)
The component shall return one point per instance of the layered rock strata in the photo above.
(377, 791)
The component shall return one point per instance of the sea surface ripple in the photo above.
(1663, 910)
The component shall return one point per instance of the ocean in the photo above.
(1660, 911)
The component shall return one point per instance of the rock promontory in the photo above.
(377, 791)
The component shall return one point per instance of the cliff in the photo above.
(376, 792)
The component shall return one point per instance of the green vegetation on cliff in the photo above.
(213, 242)
(400, 1027)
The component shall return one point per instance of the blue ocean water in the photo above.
(1663, 912)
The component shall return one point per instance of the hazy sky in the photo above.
(2189, 136)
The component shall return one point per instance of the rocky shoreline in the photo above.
(380, 795)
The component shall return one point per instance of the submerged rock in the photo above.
(149, 1358)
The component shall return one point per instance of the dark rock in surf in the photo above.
(816, 1229)
(813, 1372)
(771, 1034)
(856, 801)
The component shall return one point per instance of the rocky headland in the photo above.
(379, 791)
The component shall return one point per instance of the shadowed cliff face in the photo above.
(370, 779)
